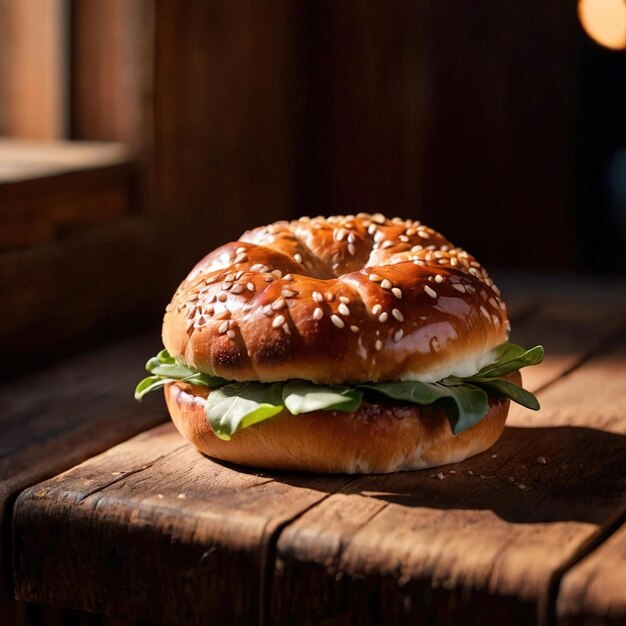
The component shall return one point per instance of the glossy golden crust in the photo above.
(336, 300)
(377, 438)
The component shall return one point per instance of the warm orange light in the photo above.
(604, 21)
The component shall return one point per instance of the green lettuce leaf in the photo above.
(165, 369)
(239, 405)
(303, 397)
(231, 407)
(465, 405)
(510, 358)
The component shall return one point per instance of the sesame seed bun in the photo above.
(337, 300)
(377, 438)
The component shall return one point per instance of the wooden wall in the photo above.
(460, 113)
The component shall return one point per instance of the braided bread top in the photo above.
(341, 299)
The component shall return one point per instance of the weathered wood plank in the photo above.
(50, 189)
(483, 540)
(170, 535)
(58, 417)
(91, 279)
(594, 591)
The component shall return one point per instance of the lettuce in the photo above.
(232, 406)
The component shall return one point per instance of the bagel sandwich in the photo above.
(349, 344)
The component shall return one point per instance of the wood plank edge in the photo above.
(269, 554)
(548, 616)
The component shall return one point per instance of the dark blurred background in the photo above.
(137, 135)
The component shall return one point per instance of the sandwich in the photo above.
(348, 344)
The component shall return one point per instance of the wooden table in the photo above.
(531, 532)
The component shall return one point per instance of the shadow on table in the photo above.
(531, 475)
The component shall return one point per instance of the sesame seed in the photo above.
(317, 296)
(337, 321)
(344, 299)
(379, 218)
(417, 248)
(259, 267)
(297, 258)
(241, 258)
(484, 311)
(240, 249)
(379, 236)
(318, 313)
(541, 460)
(397, 292)
(438, 278)
(340, 234)
(226, 286)
(276, 273)
(376, 309)
(440, 475)
(398, 335)
(209, 309)
(375, 278)
(223, 314)
(237, 289)
(329, 296)
(411, 231)
(493, 303)
(351, 249)
(222, 297)
(403, 239)
(289, 293)
(251, 287)
(398, 315)
(230, 334)
(386, 284)
(378, 345)
(354, 329)
(383, 317)
(211, 280)
(288, 277)
(239, 274)
(268, 278)
(435, 344)
(223, 328)
(371, 229)
(230, 277)
(430, 291)
(423, 234)
(521, 486)
(386, 244)
(454, 262)
(459, 287)
(351, 238)
(279, 320)
(278, 304)
(343, 309)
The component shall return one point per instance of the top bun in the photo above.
(337, 300)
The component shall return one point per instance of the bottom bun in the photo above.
(377, 438)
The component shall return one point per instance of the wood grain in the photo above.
(481, 541)
(93, 279)
(61, 415)
(170, 535)
(229, 120)
(173, 536)
(593, 592)
(50, 189)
